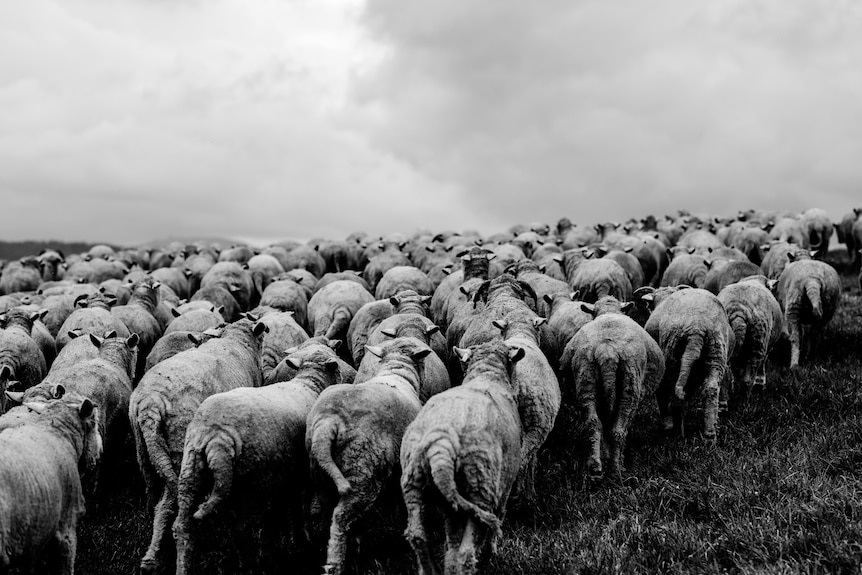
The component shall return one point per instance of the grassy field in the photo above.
(780, 491)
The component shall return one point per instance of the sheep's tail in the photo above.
(149, 419)
(693, 348)
(608, 364)
(340, 321)
(441, 459)
(221, 452)
(812, 291)
(324, 434)
(739, 326)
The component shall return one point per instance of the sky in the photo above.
(133, 120)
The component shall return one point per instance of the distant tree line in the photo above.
(15, 250)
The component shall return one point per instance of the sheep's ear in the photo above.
(132, 341)
(429, 331)
(40, 315)
(516, 354)
(36, 406)
(426, 299)
(96, 340)
(293, 362)
(626, 307)
(765, 247)
(81, 300)
(812, 253)
(446, 270)
(542, 268)
(259, 329)
(464, 291)
(683, 286)
(16, 396)
(110, 333)
(187, 272)
(175, 312)
(334, 344)
(212, 332)
(589, 308)
(73, 333)
(690, 250)
(490, 256)
(389, 332)
(421, 353)
(500, 324)
(394, 300)
(86, 409)
(772, 284)
(156, 285)
(374, 350)
(548, 299)
(195, 339)
(462, 353)
(708, 264)
(58, 391)
(539, 321)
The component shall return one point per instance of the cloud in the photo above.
(129, 121)
(608, 110)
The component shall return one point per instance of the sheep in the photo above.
(336, 254)
(20, 276)
(328, 278)
(630, 264)
(287, 295)
(502, 295)
(818, 229)
(96, 270)
(285, 372)
(306, 258)
(173, 343)
(565, 318)
(435, 376)
(236, 254)
(614, 362)
(462, 454)
(685, 269)
(757, 323)
(692, 330)
(283, 332)
(51, 262)
(77, 350)
(29, 318)
(331, 309)
(138, 317)
(778, 255)
(119, 288)
(353, 437)
(220, 298)
(93, 315)
(595, 278)
(410, 324)
(701, 240)
(808, 291)
(389, 257)
(264, 269)
(105, 379)
(400, 278)
(162, 405)
(175, 278)
(723, 274)
(235, 279)
(543, 285)
(537, 392)
(194, 320)
(789, 230)
(454, 292)
(21, 358)
(369, 316)
(41, 462)
(252, 440)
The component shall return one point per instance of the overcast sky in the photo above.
(131, 120)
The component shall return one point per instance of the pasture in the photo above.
(780, 491)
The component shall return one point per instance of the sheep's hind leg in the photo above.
(162, 520)
(349, 509)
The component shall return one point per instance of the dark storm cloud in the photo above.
(607, 110)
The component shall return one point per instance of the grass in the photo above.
(780, 491)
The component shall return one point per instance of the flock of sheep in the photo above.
(297, 385)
